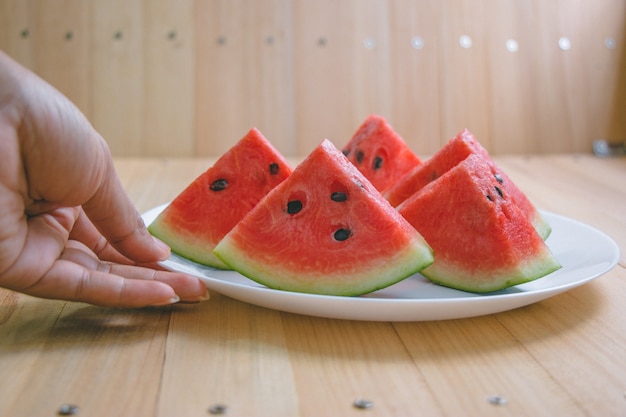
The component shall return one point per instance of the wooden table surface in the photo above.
(564, 356)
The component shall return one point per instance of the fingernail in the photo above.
(199, 299)
(172, 300)
(205, 297)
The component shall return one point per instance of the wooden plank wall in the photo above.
(190, 77)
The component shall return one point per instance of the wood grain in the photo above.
(118, 97)
(191, 78)
(561, 356)
(80, 355)
(243, 74)
(61, 48)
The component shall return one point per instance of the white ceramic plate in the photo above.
(585, 253)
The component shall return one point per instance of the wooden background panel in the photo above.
(325, 42)
(370, 66)
(168, 78)
(243, 73)
(415, 108)
(117, 68)
(509, 62)
(16, 23)
(559, 86)
(221, 68)
(605, 68)
(356, 58)
(62, 48)
(160, 78)
(464, 81)
(270, 73)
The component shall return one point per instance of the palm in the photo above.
(61, 203)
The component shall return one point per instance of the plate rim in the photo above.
(475, 301)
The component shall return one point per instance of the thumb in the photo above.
(69, 164)
(113, 214)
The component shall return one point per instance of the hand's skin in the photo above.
(67, 228)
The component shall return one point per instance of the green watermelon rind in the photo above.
(529, 257)
(365, 278)
(197, 218)
(186, 245)
(447, 275)
(540, 224)
(264, 245)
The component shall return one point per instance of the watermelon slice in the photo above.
(481, 239)
(199, 217)
(380, 153)
(452, 153)
(325, 230)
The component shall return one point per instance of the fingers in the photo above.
(69, 164)
(51, 266)
(79, 276)
(66, 164)
(189, 289)
(114, 215)
(38, 243)
(85, 232)
(69, 281)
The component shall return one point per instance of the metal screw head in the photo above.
(603, 148)
(497, 400)
(417, 42)
(67, 410)
(218, 409)
(610, 43)
(465, 41)
(512, 45)
(363, 404)
(565, 44)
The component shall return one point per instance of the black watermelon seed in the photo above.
(342, 234)
(294, 206)
(499, 191)
(346, 152)
(489, 197)
(378, 162)
(339, 196)
(499, 178)
(359, 157)
(219, 185)
(274, 168)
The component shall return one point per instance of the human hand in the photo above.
(67, 228)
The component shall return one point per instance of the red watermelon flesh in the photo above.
(199, 217)
(452, 153)
(457, 149)
(380, 153)
(481, 239)
(325, 230)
